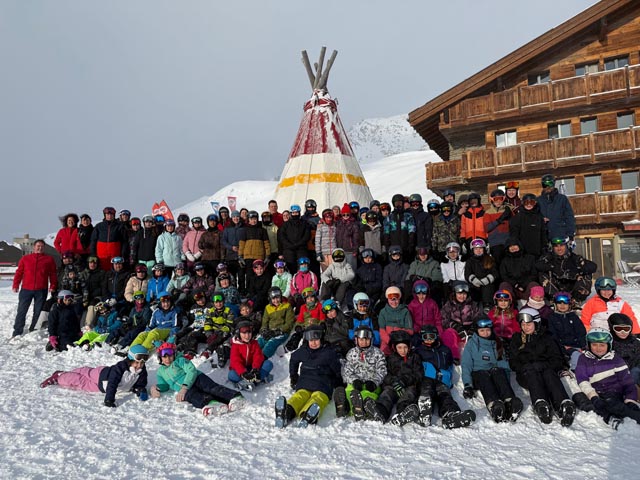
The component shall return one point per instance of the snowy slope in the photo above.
(56, 433)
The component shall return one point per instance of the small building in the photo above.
(566, 103)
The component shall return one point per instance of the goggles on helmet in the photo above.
(622, 328)
(420, 289)
(140, 357)
(167, 352)
(561, 298)
(484, 323)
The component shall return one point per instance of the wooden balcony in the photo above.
(590, 152)
(609, 207)
(590, 89)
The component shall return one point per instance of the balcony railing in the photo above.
(606, 207)
(588, 89)
(594, 149)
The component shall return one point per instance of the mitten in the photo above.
(370, 386)
(357, 384)
(53, 341)
(468, 392)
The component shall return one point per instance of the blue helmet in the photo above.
(295, 208)
(138, 353)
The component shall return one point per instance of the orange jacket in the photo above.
(595, 312)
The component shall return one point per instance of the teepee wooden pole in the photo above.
(307, 66)
(320, 64)
(325, 75)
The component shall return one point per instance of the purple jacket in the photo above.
(425, 313)
(606, 376)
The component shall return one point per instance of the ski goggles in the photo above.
(363, 333)
(167, 352)
(279, 264)
(217, 298)
(606, 284)
(420, 289)
(622, 328)
(528, 318)
(199, 267)
(196, 220)
(558, 241)
(117, 260)
(140, 357)
(530, 201)
(198, 296)
(562, 299)
(447, 210)
(429, 337)
(92, 259)
(312, 335)
(461, 289)
(499, 198)
(139, 297)
(329, 306)
(68, 297)
(308, 294)
(367, 253)
(484, 323)
(502, 296)
(394, 296)
(548, 183)
(362, 303)
(515, 185)
(165, 298)
(599, 337)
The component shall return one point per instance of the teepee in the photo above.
(321, 165)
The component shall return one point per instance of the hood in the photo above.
(420, 282)
(513, 241)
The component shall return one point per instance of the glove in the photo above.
(277, 332)
(241, 262)
(506, 215)
(249, 375)
(299, 329)
(468, 392)
(475, 281)
(143, 396)
(399, 388)
(293, 380)
(181, 394)
(190, 257)
(197, 256)
(370, 386)
(110, 403)
(518, 287)
(111, 302)
(485, 281)
(320, 259)
(464, 248)
(600, 406)
(266, 333)
(53, 341)
(357, 384)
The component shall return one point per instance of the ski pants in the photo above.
(303, 399)
(204, 390)
(83, 378)
(365, 394)
(389, 397)
(543, 384)
(24, 301)
(265, 369)
(91, 337)
(130, 336)
(147, 338)
(617, 408)
(270, 346)
(440, 395)
(493, 384)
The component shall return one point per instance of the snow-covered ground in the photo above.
(54, 433)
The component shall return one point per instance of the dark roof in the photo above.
(9, 254)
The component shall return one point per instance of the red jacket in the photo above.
(67, 240)
(245, 356)
(36, 271)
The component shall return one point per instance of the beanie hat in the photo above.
(345, 209)
(537, 291)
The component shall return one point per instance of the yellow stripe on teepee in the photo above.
(322, 178)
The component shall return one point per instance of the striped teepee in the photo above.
(321, 165)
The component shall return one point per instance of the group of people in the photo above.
(376, 305)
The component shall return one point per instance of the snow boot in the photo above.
(245, 385)
(425, 407)
(237, 403)
(567, 413)
(340, 400)
(458, 419)
(214, 409)
(410, 414)
(310, 417)
(357, 405)
(221, 352)
(294, 342)
(543, 411)
(615, 422)
(52, 380)
(497, 411)
(372, 410)
(284, 412)
(512, 409)
(582, 402)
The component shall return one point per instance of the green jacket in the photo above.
(430, 269)
(180, 372)
(281, 318)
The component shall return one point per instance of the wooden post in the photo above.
(307, 66)
(325, 74)
(319, 67)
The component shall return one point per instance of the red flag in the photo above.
(231, 201)
(162, 209)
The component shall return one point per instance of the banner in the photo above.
(162, 209)
(231, 201)
(215, 206)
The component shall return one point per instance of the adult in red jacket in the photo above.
(37, 274)
(67, 239)
(108, 239)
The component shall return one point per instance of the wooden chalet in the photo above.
(566, 103)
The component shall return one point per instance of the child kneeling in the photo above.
(247, 366)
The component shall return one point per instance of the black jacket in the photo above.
(316, 370)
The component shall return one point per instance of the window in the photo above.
(559, 130)
(592, 183)
(588, 125)
(566, 186)
(505, 139)
(630, 180)
(626, 120)
(538, 78)
(586, 68)
(618, 62)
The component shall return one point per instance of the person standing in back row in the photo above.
(556, 210)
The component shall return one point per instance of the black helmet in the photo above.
(310, 204)
(313, 332)
(497, 193)
(371, 215)
(415, 197)
(374, 203)
(429, 332)
(252, 214)
(448, 191)
(338, 255)
(460, 286)
(529, 196)
(399, 336)
(363, 331)
(275, 292)
(398, 197)
(475, 195)
(183, 217)
(548, 180)
(212, 216)
(619, 319)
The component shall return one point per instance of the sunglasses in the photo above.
(167, 352)
(141, 357)
(622, 328)
(420, 289)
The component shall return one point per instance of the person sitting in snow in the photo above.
(247, 365)
(64, 322)
(164, 323)
(337, 328)
(310, 313)
(625, 344)
(277, 323)
(108, 322)
(133, 325)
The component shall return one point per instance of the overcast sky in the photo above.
(125, 103)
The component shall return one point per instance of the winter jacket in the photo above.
(84, 235)
(496, 223)
(446, 229)
(210, 245)
(472, 224)
(169, 249)
(134, 284)
(272, 233)
(528, 226)
(283, 282)
(173, 377)
(178, 282)
(308, 317)
(399, 228)
(245, 356)
(539, 351)
(94, 279)
(67, 240)
(474, 268)
(366, 364)
(338, 271)
(556, 271)
(567, 329)
(258, 289)
(254, 243)
(107, 323)
(460, 316)
(325, 238)
(36, 271)
(317, 370)
(144, 245)
(424, 227)
(371, 237)
(190, 244)
(369, 278)
(337, 328)
(156, 286)
(430, 269)
(505, 322)
(164, 320)
(302, 280)
(278, 318)
(107, 232)
(391, 319)
(75, 285)
(370, 320)
(293, 237)
(607, 376)
(452, 271)
(115, 284)
(202, 283)
(64, 322)
(182, 230)
(518, 268)
(394, 274)
(437, 362)
(406, 370)
(425, 313)
(628, 349)
(348, 235)
(139, 317)
(596, 312)
(121, 377)
(231, 295)
(556, 207)
(480, 354)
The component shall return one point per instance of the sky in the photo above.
(127, 103)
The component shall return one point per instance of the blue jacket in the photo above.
(480, 354)
(568, 329)
(108, 323)
(156, 287)
(164, 319)
(318, 370)
(119, 375)
(556, 207)
(169, 249)
(437, 362)
(231, 238)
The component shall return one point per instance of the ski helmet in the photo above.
(392, 292)
(460, 286)
(212, 217)
(447, 191)
(310, 204)
(361, 298)
(599, 335)
(453, 246)
(363, 331)
(354, 205)
(183, 217)
(478, 243)
(308, 292)
(195, 220)
(483, 322)
(502, 295)
(619, 322)
(313, 332)
(158, 267)
(338, 255)
(275, 292)
(429, 333)
(166, 350)
(497, 193)
(397, 198)
(253, 214)
(399, 336)
(548, 180)
(329, 305)
(395, 250)
(528, 315)
(371, 216)
(605, 283)
(138, 353)
(415, 198)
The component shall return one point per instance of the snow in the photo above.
(56, 432)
